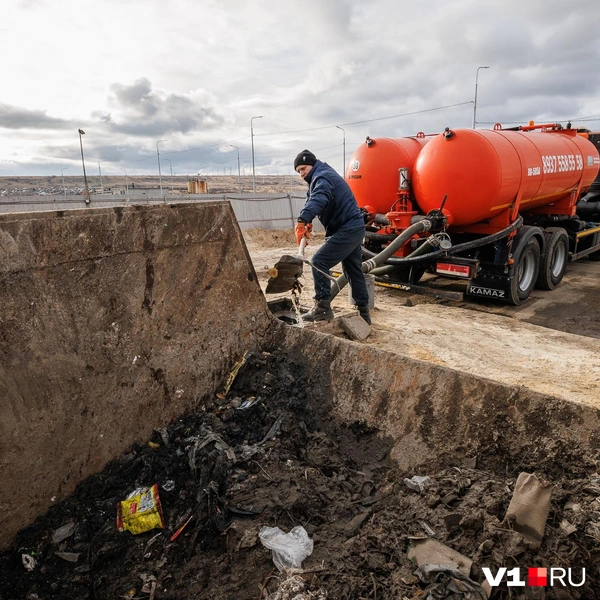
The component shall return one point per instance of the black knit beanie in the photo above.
(306, 157)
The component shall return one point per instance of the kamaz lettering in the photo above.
(489, 292)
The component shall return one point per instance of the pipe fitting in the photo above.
(448, 133)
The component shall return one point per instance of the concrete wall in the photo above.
(437, 415)
(112, 322)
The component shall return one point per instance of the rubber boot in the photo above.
(321, 311)
(363, 309)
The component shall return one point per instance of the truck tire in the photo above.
(553, 262)
(525, 272)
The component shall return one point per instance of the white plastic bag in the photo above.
(289, 549)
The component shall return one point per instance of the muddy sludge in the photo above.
(294, 465)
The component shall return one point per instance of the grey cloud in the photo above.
(130, 95)
(140, 111)
(14, 117)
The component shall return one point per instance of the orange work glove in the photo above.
(303, 230)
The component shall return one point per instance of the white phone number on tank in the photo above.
(560, 163)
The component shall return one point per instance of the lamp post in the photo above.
(344, 131)
(126, 185)
(100, 173)
(252, 142)
(86, 192)
(171, 169)
(475, 101)
(62, 172)
(238, 158)
(159, 173)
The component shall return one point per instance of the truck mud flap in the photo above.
(493, 287)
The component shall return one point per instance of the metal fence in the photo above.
(253, 211)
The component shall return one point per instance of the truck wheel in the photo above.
(553, 263)
(595, 255)
(525, 272)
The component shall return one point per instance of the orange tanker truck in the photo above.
(505, 210)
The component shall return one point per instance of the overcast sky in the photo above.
(194, 72)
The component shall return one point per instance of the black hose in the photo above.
(380, 237)
(488, 239)
(380, 258)
(588, 210)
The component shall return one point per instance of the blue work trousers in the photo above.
(343, 246)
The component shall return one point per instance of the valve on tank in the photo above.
(448, 133)
(437, 217)
(438, 220)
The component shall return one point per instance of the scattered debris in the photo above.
(231, 377)
(289, 549)
(284, 461)
(417, 483)
(140, 511)
(425, 551)
(529, 507)
(447, 582)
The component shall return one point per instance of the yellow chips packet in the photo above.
(141, 511)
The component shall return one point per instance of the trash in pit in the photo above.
(64, 532)
(529, 507)
(446, 582)
(28, 562)
(295, 588)
(289, 549)
(315, 472)
(425, 551)
(231, 377)
(417, 483)
(140, 511)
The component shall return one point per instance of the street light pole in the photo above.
(62, 172)
(159, 173)
(86, 192)
(252, 142)
(100, 173)
(171, 168)
(475, 101)
(238, 158)
(126, 184)
(344, 171)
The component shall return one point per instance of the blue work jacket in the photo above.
(330, 199)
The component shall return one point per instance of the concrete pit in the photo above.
(138, 349)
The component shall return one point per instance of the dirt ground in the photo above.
(550, 343)
(268, 454)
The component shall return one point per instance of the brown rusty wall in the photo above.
(112, 322)
(437, 415)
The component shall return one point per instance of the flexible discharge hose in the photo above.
(373, 263)
(488, 239)
(370, 265)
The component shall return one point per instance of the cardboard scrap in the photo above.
(425, 551)
(529, 507)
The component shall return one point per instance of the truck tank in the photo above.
(482, 173)
(372, 171)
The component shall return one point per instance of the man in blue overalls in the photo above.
(330, 199)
